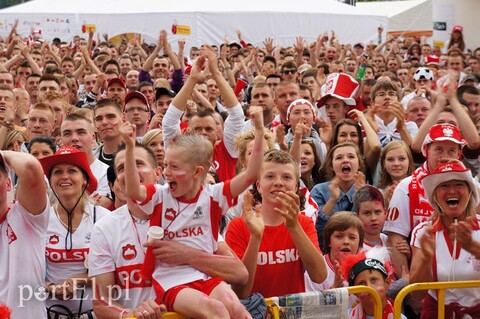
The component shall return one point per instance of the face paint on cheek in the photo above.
(179, 174)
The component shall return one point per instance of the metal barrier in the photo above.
(440, 286)
(274, 310)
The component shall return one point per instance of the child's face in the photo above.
(301, 114)
(396, 163)
(180, 175)
(156, 146)
(307, 158)
(348, 133)
(276, 178)
(372, 215)
(345, 163)
(249, 149)
(374, 279)
(343, 243)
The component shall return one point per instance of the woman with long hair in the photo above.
(396, 163)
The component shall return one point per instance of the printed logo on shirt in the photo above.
(186, 232)
(66, 256)
(170, 214)
(87, 238)
(129, 277)
(277, 257)
(392, 214)
(54, 239)
(198, 214)
(129, 252)
(10, 234)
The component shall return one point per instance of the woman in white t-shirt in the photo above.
(69, 230)
(449, 243)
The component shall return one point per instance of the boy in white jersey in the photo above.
(23, 229)
(190, 214)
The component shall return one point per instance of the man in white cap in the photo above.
(409, 206)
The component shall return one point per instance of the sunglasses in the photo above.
(289, 71)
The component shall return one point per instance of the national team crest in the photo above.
(170, 214)
(447, 131)
(10, 234)
(198, 214)
(129, 252)
(54, 239)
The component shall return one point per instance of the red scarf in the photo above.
(420, 208)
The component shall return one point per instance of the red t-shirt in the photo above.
(223, 164)
(279, 268)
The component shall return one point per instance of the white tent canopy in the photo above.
(412, 15)
(207, 21)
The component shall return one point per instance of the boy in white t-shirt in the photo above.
(190, 213)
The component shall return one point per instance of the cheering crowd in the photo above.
(136, 180)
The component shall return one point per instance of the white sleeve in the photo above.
(171, 123)
(100, 257)
(398, 216)
(417, 234)
(233, 128)
(412, 128)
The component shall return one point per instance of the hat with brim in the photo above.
(163, 91)
(448, 172)
(70, 155)
(342, 86)
(441, 133)
(136, 95)
(117, 81)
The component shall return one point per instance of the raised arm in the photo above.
(135, 190)
(26, 54)
(241, 182)
(88, 60)
(31, 188)
(168, 50)
(149, 62)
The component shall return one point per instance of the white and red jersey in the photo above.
(449, 267)
(194, 223)
(117, 246)
(383, 243)
(327, 283)
(409, 205)
(63, 263)
(22, 261)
